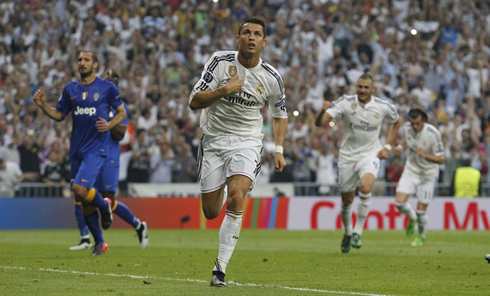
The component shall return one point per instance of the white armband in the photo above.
(388, 147)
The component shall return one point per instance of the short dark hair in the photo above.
(367, 76)
(94, 55)
(253, 20)
(416, 112)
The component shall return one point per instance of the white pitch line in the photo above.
(191, 280)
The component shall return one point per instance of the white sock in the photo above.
(346, 216)
(406, 208)
(422, 220)
(228, 237)
(362, 212)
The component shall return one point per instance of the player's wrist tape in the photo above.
(279, 149)
(388, 147)
(399, 146)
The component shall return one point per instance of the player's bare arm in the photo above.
(40, 100)
(103, 125)
(206, 98)
(118, 132)
(383, 153)
(279, 129)
(430, 157)
(323, 116)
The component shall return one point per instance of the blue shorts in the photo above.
(108, 177)
(84, 170)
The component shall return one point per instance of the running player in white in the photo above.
(421, 170)
(233, 88)
(360, 151)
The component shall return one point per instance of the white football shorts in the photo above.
(422, 187)
(224, 156)
(350, 173)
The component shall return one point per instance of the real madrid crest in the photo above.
(232, 71)
(260, 89)
(353, 106)
(96, 97)
(376, 115)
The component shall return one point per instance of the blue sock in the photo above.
(125, 213)
(82, 226)
(93, 224)
(94, 198)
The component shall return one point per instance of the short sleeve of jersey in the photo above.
(64, 102)
(391, 114)
(437, 146)
(113, 97)
(209, 79)
(337, 107)
(125, 121)
(277, 102)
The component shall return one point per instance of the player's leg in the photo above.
(405, 188)
(348, 181)
(83, 186)
(425, 193)
(367, 170)
(82, 227)
(92, 219)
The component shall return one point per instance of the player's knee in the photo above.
(235, 203)
(365, 188)
(80, 192)
(210, 212)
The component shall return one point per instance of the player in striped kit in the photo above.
(426, 152)
(232, 90)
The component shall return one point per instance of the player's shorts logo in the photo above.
(96, 97)
(85, 181)
(232, 71)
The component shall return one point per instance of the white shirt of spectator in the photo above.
(429, 138)
(8, 176)
(362, 125)
(239, 113)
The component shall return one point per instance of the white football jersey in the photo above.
(429, 138)
(362, 125)
(239, 113)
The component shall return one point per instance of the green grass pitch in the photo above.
(179, 262)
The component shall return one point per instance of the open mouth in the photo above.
(251, 45)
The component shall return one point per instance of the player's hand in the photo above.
(234, 85)
(39, 98)
(279, 162)
(421, 152)
(326, 105)
(383, 153)
(102, 125)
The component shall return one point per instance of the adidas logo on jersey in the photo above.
(85, 111)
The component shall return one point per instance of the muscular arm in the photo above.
(279, 129)
(323, 116)
(206, 98)
(40, 100)
(430, 157)
(118, 132)
(383, 153)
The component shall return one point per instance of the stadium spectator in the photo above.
(467, 180)
(52, 174)
(10, 176)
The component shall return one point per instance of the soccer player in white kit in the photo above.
(360, 151)
(421, 170)
(232, 90)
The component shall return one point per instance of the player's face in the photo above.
(86, 64)
(417, 123)
(364, 90)
(251, 40)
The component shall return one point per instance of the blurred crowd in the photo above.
(428, 54)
